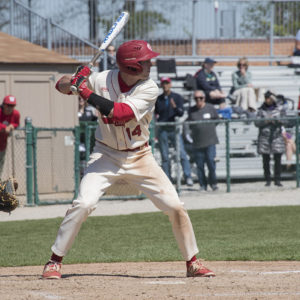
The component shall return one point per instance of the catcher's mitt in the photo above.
(8, 200)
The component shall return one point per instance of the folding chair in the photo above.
(167, 67)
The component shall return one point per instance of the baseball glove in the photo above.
(8, 200)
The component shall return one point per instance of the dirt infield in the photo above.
(235, 280)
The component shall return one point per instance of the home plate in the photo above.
(165, 282)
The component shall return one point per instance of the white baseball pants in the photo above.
(139, 169)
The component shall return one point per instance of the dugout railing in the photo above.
(53, 159)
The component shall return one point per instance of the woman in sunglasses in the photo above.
(243, 95)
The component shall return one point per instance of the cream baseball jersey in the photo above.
(141, 98)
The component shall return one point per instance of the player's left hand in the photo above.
(83, 71)
(78, 86)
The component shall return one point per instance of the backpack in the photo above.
(190, 83)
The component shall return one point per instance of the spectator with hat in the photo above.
(169, 105)
(9, 120)
(207, 81)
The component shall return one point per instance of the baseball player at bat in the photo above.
(125, 99)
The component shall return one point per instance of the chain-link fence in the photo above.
(15, 159)
(236, 158)
(48, 162)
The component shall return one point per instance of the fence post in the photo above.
(297, 153)
(76, 160)
(88, 129)
(49, 41)
(227, 155)
(194, 28)
(29, 159)
(152, 135)
(177, 148)
(271, 31)
(11, 17)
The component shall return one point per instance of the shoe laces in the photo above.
(53, 265)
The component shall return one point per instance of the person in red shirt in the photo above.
(9, 120)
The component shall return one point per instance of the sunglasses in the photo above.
(199, 98)
(242, 65)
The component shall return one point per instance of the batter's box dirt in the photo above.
(234, 280)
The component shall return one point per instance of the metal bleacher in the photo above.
(244, 160)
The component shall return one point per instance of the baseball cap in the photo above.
(10, 100)
(209, 60)
(165, 79)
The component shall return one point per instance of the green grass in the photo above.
(259, 233)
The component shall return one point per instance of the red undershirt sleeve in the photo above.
(122, 112)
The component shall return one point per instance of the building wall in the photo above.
(38, 99)
(226, 47)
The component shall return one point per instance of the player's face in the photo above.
(8, 109)
(166, 86)
(146, 69)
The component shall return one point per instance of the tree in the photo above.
(257, 19)
(141, 23)
(4, 13)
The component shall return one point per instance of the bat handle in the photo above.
(97, 55)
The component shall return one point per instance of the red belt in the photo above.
(137, 148)
(131, 150)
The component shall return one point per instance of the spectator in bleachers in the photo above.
(204, 138)
(168, 106)
(9, 120)
(270, 139)
(243, 92)
(111, 59)
(208, 81)
(290, 147)
(297, 44)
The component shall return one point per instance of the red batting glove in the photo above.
(80, 83)
(83, 70)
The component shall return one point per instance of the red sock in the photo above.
(190, 261)
(56, 258)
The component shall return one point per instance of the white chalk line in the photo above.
(266, 273)
(245, 294)
(46, 295)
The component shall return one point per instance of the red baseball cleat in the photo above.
(52, 270)
(196, 269)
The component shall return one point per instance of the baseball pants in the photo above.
(139, 169)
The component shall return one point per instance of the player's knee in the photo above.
(178, 216)
(85, 204)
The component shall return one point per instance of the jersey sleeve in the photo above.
(92, 80)
(142, 99)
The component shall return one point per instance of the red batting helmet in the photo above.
(131, 53)
(10, 100)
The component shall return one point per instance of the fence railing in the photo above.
(53, 163)
(31, 26)
(187, 30)
(237, 150)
